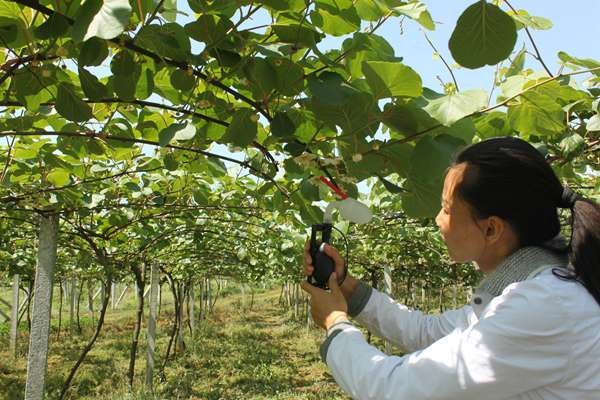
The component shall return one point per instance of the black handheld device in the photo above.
(324, 265)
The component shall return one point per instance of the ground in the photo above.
(237, 353)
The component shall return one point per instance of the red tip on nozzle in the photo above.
(336, 189)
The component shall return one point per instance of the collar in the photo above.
(525, 263)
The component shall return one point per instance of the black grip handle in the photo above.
(323, 264)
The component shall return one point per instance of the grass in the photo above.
(235, 354)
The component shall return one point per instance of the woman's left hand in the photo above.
(327, 307)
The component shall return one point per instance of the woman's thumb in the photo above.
(333, 284)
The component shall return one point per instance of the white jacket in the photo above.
(540, 339)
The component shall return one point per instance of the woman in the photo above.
(532, 329)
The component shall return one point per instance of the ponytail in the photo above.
(585, 245)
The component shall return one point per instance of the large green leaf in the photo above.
(484, 35)
(168, 40)
(338, 103)
(391, 79)
(261, 76)
(428, 162)
(210, 29)
(453, 107)
(93, 52)
(418, 11)
(70, 106)
(337, 23)
(243, 128)
(91, 86)
(58, 177)
(105, 19)
(536, 114)
(492, 124)
(297, 34)
(54, 27)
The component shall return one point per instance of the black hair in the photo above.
(509, 178)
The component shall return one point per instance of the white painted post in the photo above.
(113, 295)
(192, 315)
(151, 339)
(122, 295)
(387, 285)
(37, 357)
(14, 316)
(73, 298)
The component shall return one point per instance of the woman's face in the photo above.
(463, 234)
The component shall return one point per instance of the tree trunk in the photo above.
(139, 279)
(87, 348)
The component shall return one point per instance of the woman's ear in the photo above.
(496, 227)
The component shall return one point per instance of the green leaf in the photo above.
(297, 34)
(282, 125)
(492, 124)
(484, 35)
(182, 80)
(93, 52)
(453, 107)
(178, 131)
(593, 123)
(517, 63)
(417, 11)
(243, 128)
(571, 144)
(390, 79)
(536, 114)
(370, 10)
(58, 177)
(210, 29)
(428, 163)
(168, 40)
(309, 214)
(54, 27)
(587, 63)
(70, 106)
(289, 76)
(337, 103)
(309, 191)
(145, 84)
(262, 77)
(105, 19)
(523, 19)
(170, 162)
(225, 58)
(391, 187)
(336, 23)
(92, 88)
(126, 75)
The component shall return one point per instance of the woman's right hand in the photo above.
(348, 284)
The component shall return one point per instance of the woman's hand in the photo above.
(348, 283)
(327, 308)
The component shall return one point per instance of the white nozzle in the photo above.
(350, 209)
